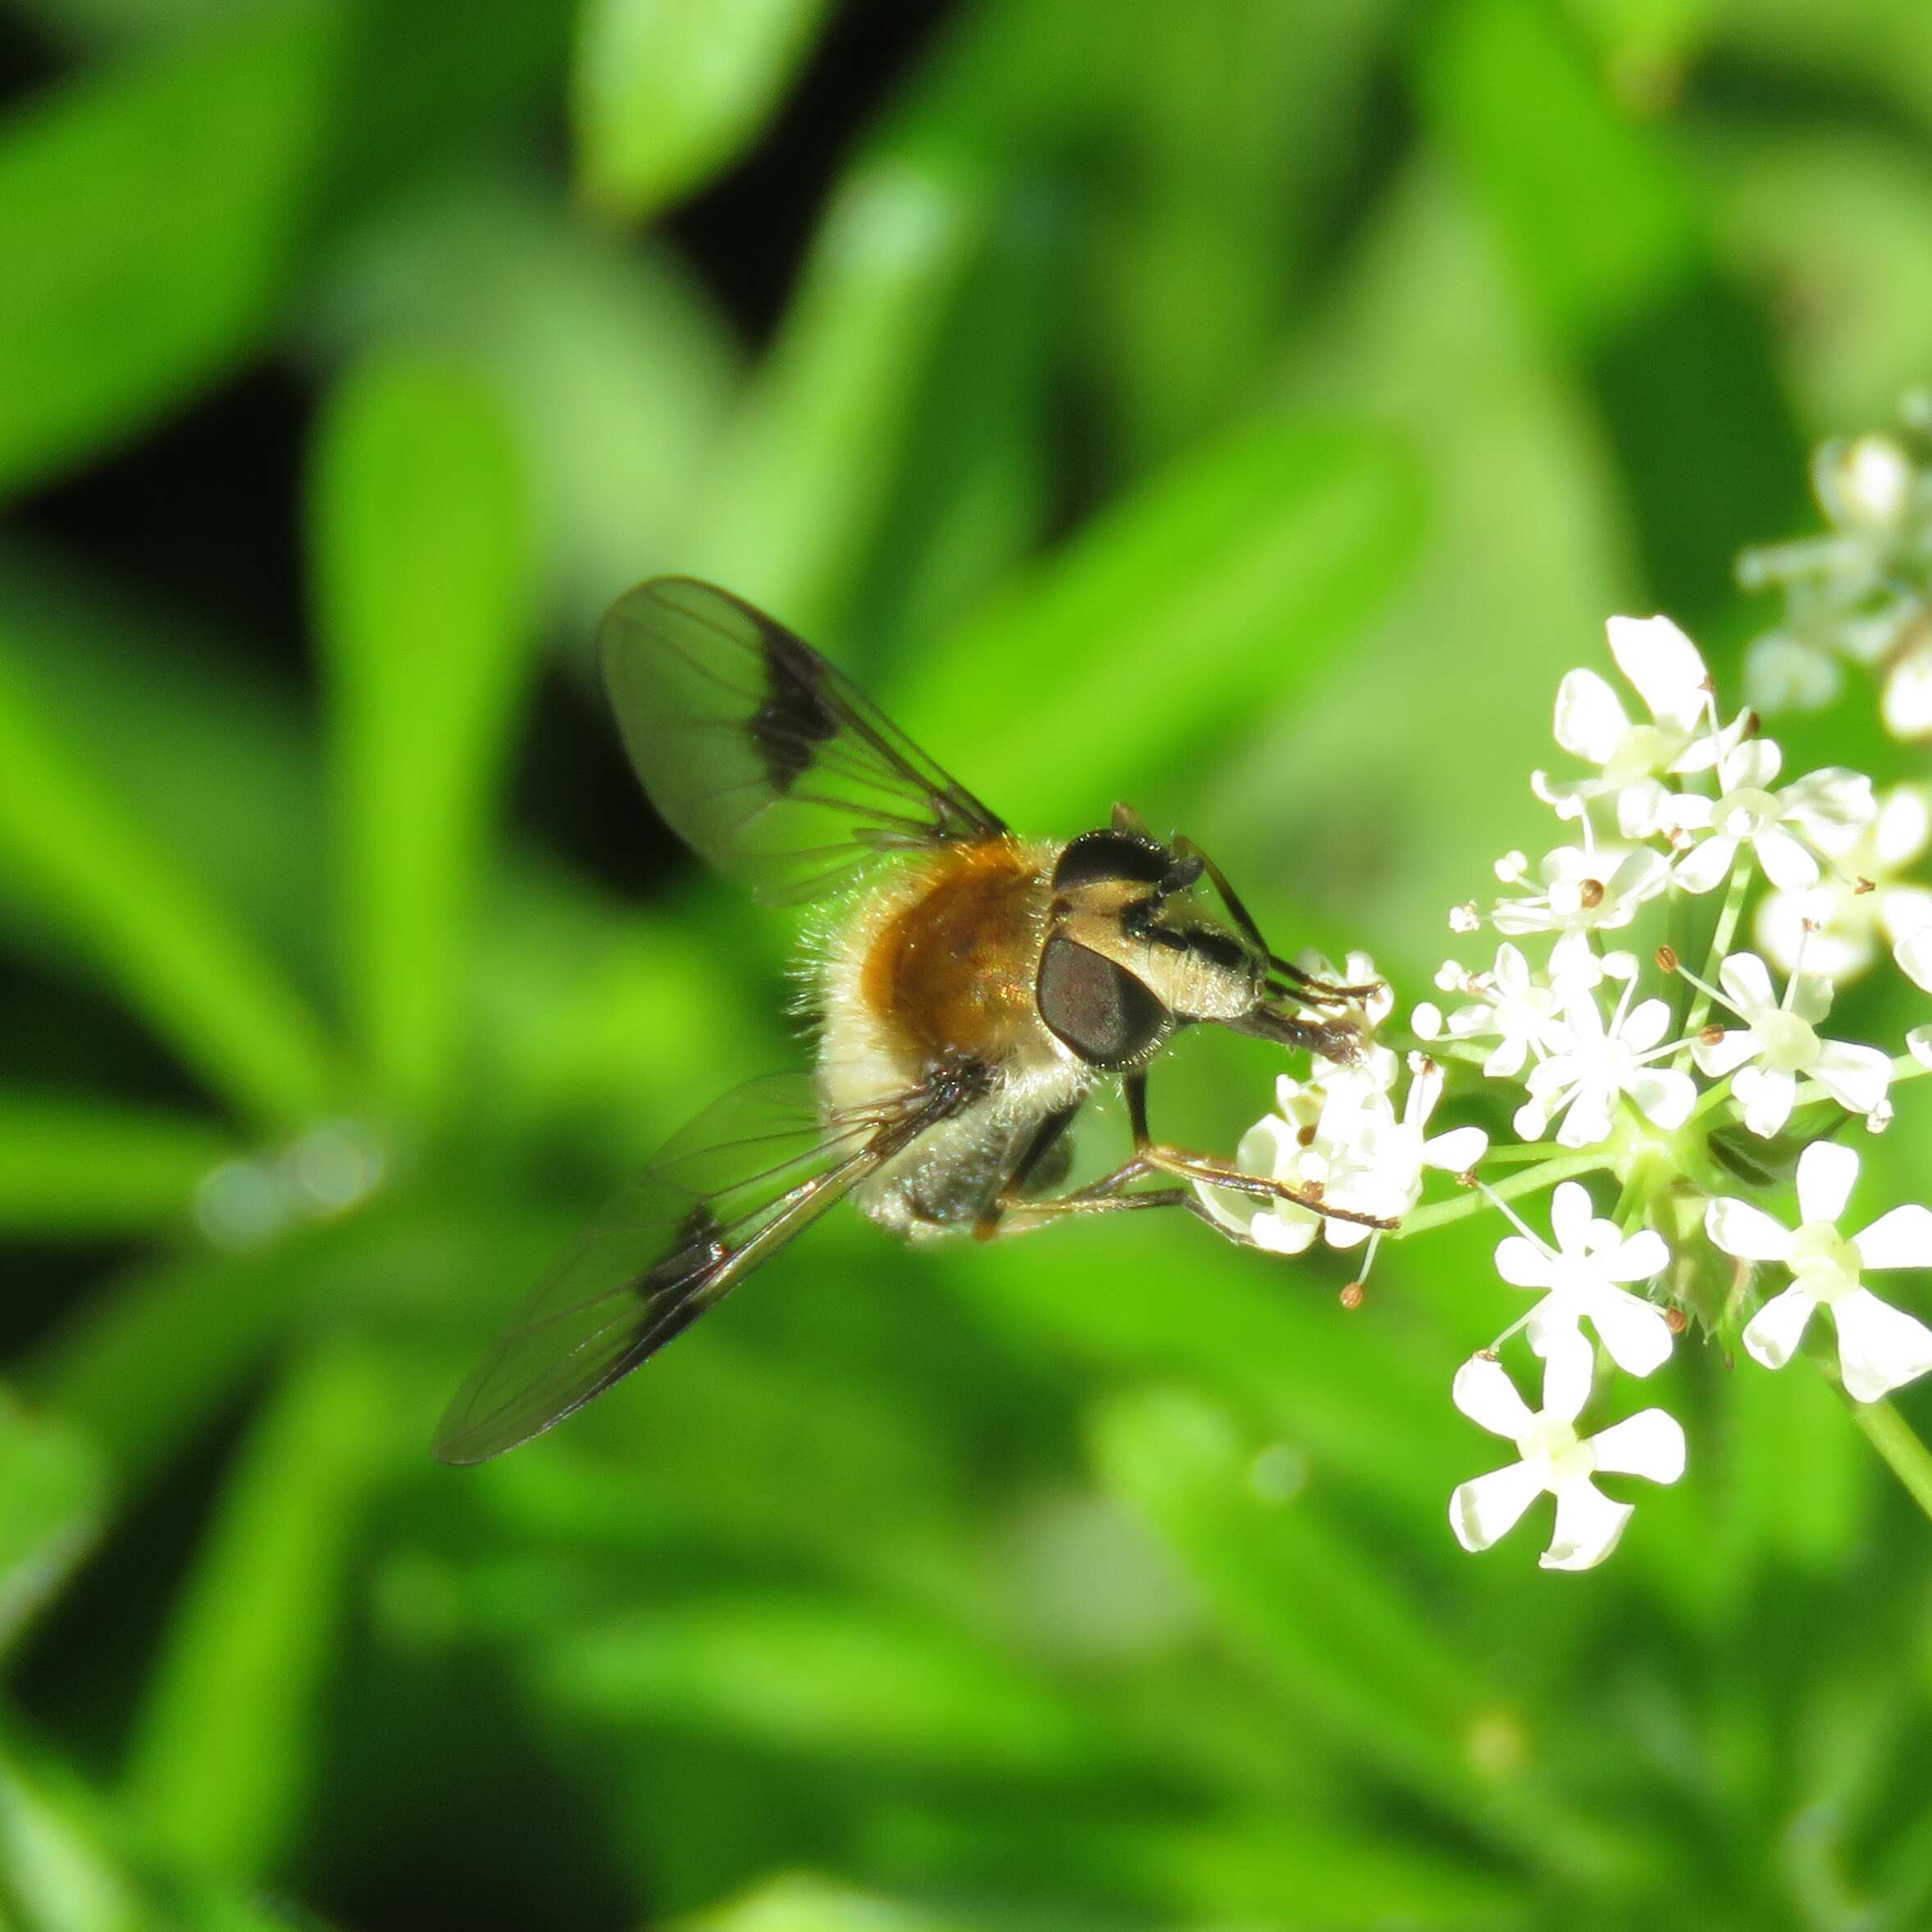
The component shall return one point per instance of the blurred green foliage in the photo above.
(1249, 410)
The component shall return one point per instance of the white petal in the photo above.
(1704, 867)
(1491, 1505)
(1879, 1347)
(1755, 764)
(1903, 828)
(1650, 1444)
(1856, 1077)
(1768, 1094)
(1633, 1330)
(1285, 1232)
(1918, 1043)
(1639, 875)
(1745, 1231)
(1643, 1256)
(1569, 1367)
(1588, 1120)
(1457, 1150)
(1907, 707)
(1483, 1392)
(1426, 1020)
(1811, 996)
(1783, 674)
(1900, 1239)
(1570, 1214)
(1664, 666)
(1644, 1025)
(1826, 1174)
(1590, 722)
(1775, 1331)
(1589, 1526)
(1530, 1121)
(1914, 955)
(1833, 797)
(1643, 808)
(1787, 864)
(1724, 1055)
(1747, 982)
(1522, 1263)
(1663, 1095)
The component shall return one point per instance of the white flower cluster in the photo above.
(1859, 593)
(1628, 1065)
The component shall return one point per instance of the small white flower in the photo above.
(1383, 1173)
(1785, 672)
(1914, 956)
(1344, 1136)
(1779, 1041)
(1582, 1081)
(1555, 1459)
(1906, 704)
(1584, 891)
(1583, 1275)
(1880, 1347)
(1864, 895)
(1519, 1008)
(1633, 759)
(1780, 827)
(1863, 484)
(1918, 1043)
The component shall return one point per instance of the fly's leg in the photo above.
(1321, 992)
(1012, 1192)
(1150, 1154)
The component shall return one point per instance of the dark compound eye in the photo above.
(1095, 858)
(1098, 1009)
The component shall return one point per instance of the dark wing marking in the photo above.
(766, 760)
(724, 1195)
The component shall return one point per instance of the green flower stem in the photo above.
(1439, 1213)
(1905, 1455)
(1720, 944)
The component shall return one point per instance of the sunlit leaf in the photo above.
(240, 1679)
(77, 1166)
(611, 360)
(421, 517)
(149, 213)
(1324, 1623)
(805, 475)
(52, 1486)
(667, 92)
(145, 924)
(1245, 570)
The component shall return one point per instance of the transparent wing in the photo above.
(724, 1195)
(764, 758)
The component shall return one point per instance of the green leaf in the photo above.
(1235, 578)
(1324, 1624)
(420, 525)
(825, 1677)
(610, 357)
(805, 474)
(54, 1874)
(148, 926)
(148, 213)
(1597, 221)
(71, 1167)
(53, 1485)
(666, 93)
(240, 1679)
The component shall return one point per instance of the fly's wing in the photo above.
(721, 1197)
(764, 758)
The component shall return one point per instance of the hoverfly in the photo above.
(973, 988)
